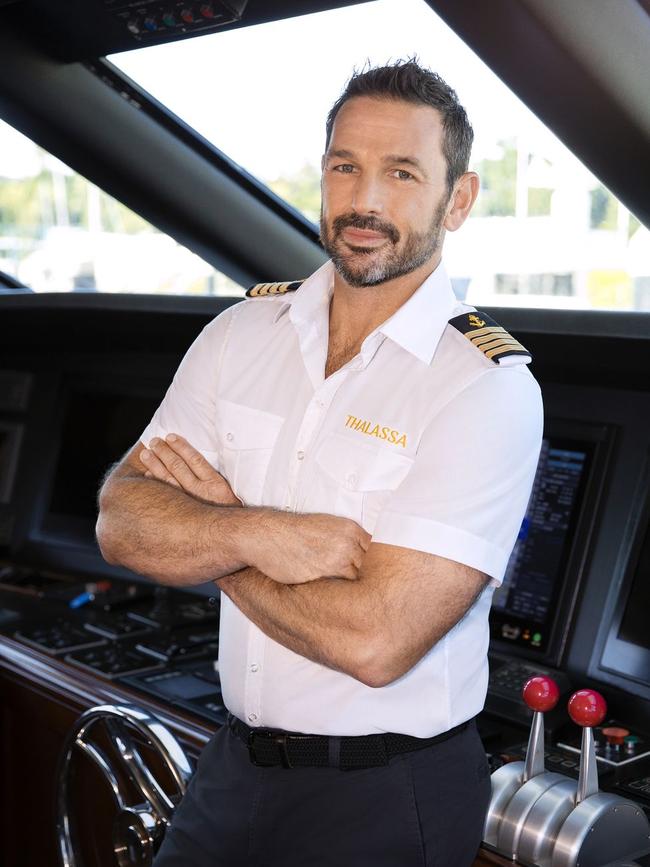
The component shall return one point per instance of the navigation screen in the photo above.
(524, 606)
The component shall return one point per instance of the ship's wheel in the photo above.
(108, 735)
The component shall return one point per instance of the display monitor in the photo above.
(634, 627)
(531, 608)
(627, 650)
(99, 425)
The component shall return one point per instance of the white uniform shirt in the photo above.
(420, 438)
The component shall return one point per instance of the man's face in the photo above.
(384, 189)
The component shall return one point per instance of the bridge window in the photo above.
(58, 233)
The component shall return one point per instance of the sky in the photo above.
(261, 94)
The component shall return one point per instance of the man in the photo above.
(382, 439)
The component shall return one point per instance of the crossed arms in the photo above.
(314, 583)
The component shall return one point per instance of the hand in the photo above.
(294, 549)
(174, 461)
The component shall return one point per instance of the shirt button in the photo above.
(229, 437)
(254, 667)
(287, 508)
(300, 455)
(252, 717)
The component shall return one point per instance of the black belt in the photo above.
(270, 747)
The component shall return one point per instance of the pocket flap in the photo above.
(242, 427)
(360, 467)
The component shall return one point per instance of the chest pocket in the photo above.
(364, 475)
(247, 437)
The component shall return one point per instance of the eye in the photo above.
(344, 168)
(403, 175)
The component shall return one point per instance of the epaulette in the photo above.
(272, 288)
(493, 340)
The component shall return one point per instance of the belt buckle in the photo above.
(279, 738)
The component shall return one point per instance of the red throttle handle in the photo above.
(587, 708)
(541, 693)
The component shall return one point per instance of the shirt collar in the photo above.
(416, 326)
(311, 298)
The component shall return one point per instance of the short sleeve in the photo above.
(466, 494)
(188, 407)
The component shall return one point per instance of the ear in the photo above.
(462, 201)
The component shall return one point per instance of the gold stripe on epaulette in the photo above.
(518, 348)
(490, 342)
(488, 338)
(504, 346)
(261, 289)
(489, 329)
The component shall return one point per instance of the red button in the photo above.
(615, 734)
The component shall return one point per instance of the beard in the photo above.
(361, 266)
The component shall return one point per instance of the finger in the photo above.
(174, 464)
(160, 474)
(155, 468)
(201, 468)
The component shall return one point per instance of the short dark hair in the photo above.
(408, 81)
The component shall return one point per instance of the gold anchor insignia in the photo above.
(493, 340)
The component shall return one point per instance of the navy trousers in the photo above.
(423, 809)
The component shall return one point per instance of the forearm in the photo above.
(331, 621)
(161, 531)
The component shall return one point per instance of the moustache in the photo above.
(371, 224)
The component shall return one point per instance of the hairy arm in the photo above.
(374, 629)
(155, 528)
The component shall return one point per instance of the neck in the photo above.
(356, 311)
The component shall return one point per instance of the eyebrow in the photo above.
(389, 158)
(341, 154)
(404, 160)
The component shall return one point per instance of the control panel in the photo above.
(146, 20)
(552, 810)
(161, 641)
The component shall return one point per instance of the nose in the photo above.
(367, 194)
